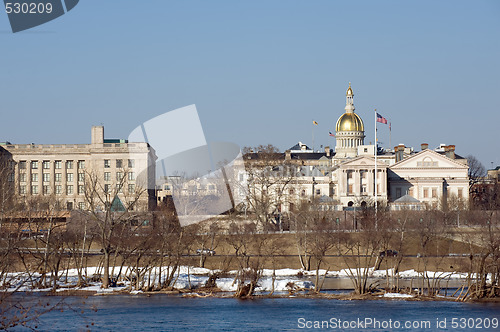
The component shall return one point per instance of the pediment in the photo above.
(428, 159)
(363, 161)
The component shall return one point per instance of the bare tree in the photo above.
(476, 170)
(111, 206)
(268, 176)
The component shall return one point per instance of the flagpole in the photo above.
(313, 136)
(376, 174)
(390, 136)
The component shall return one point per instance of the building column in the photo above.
(356, 184)
(383, 174)
(370, 182)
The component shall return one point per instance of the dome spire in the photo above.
(349, 102)
(349, 91)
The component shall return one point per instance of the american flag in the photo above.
(381, 119)
(331, 134)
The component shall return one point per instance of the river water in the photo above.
(169, 313)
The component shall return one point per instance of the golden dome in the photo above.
(349, 122)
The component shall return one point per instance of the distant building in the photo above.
(63, 169)
(494, 174)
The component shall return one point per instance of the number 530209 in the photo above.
(28, 8)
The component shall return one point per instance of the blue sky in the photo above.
(259, 72)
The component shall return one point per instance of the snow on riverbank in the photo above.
(397, 295)
(187, 277)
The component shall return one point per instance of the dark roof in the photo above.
(299, 147)
(457, 156)
(407, 199)
(308, 155)
(294, 156)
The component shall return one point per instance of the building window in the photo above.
(46, 190)
(69, 206)
(58, 177)
(46, 177)
(426, 193)
(119, 176)
(119, 163)
(69, 164)
(119, 188)
(22, 190)
(318, 191)
(46, 164)
(107, 176)
(58, 164)
(34, 190)
(22, 164)
(363, 188)
(349, 189)
(34, 177)
(434, 192)
(106, 189)
(34, 164)
(81, 189)
(69, 189)
(22, 177)
(81, 164)
(107, 163)
(131, 176)
(81, 177)
(131, 163)
(58, 189)
(69, 177)
(11, 177)
(131, 188)
(167, 187)
(81, 205)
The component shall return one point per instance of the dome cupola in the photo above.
(350, 131)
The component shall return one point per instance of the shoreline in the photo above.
(219, 294)
(190, 282)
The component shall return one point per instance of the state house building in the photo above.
(124, 169)
(346, 176)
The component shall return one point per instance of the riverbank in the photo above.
(191, 281)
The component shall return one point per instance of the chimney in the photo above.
(288, 155)
(97, 136)
(450, 151)
(327, 151)
(399, 152)
(424, 146)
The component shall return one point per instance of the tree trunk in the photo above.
(105, 277)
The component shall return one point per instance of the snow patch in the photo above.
(397, 295)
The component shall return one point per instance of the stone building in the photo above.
(123, 169)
